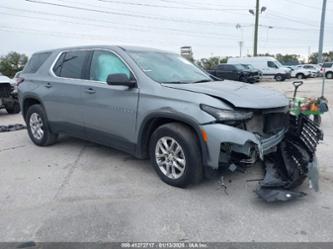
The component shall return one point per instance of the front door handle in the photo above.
(90, 91)
(48, 85)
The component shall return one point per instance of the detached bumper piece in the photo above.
(292, 163)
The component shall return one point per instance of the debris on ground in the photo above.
(14, 127)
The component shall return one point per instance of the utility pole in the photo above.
(256, 26)
(322, 29)
(240, 48)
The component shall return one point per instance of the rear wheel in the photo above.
(38, 127)
(13, 108)
(175, 154)
(329, 75)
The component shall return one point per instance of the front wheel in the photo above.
(38, 127)
(300, 76)
(329, 75)
(175, 155)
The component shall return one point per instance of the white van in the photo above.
(270, 67)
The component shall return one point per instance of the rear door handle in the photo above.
(90, 91)
(48, 85)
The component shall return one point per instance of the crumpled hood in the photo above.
(239, 94)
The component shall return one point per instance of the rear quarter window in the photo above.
(35, 62)
(71, 64)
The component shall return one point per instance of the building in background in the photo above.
(186, 52)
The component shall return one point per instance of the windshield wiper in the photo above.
(174, 82)
(202, 81)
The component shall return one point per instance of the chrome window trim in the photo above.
(87, 49)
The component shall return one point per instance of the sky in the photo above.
(209, 26)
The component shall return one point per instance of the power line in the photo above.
(96, 37)
(130, 27)
(302, 20)
(197, 22)
(130, 14)
(137, 28)
(170, 7)
(104, 21)
(302, 4)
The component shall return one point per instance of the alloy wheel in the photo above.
(36, 126)
(170, 158)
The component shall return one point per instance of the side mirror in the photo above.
(120, 79)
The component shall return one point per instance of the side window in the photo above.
(327, 64)
(220, 67)
(71, 64)
(228, 67)
(271, 64)
(36, 62)
(104, 63)
(57, 67)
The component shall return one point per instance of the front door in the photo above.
(109, 111)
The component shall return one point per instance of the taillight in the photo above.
(19, 81)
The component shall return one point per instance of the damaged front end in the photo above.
(285, 143)
(292, 163)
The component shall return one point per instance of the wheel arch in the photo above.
(29, 101)
(153, 121)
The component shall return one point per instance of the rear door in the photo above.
(220, 71)
(109, 111)
(63, 99)
(230, 72)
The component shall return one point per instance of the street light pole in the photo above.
(256, 26)
(321, 36)
(241, 43)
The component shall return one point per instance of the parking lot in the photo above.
(79, 191)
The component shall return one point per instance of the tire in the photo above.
(184, 138)
(279, 77)
(36, 120)
(242, 79)
(329, 75)
(300, 76)
(13, 109)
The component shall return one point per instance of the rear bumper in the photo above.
(238, 141)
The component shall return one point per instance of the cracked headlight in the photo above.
(226, 115)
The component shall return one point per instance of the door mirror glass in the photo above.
(120, 79)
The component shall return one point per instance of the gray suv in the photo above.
(150, 103)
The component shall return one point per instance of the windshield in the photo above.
(248, 66)
(278, 63)
(168, 68)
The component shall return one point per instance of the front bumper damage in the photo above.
(288, 155)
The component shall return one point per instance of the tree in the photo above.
(11, 63)
(288, 59)
(211, 62)
(328, 56)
